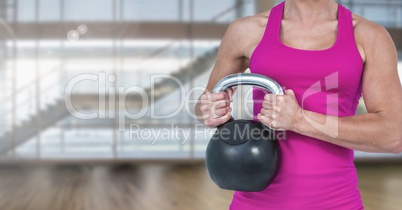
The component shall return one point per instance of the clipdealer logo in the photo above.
(116, 95)
(331, 125)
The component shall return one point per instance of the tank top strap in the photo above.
(346, 29)
(274, 22)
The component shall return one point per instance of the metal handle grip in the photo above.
(257, 80)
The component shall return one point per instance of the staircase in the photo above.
(58, 111)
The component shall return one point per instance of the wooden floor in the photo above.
(153, 187)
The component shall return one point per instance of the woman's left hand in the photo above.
(280, 112)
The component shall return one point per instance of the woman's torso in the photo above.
(313, 174)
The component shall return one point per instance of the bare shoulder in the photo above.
(370, 35)
(244, 25)
(245, 32)
(257, 19)
(369, 28)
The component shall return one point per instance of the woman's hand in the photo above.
(280, 112)
(215, 108)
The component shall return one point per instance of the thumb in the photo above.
(289, 92)
(230, 93)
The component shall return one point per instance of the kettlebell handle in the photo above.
(256, 80)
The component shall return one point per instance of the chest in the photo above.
(333, 71)
(318, 37)
(309, 36)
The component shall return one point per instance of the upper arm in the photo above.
(382, 89)
(230, 58)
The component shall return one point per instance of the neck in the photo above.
(310, 10)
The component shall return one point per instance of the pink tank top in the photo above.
(313, 174)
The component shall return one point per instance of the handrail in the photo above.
(372, 3)
(214, 18)
(147, 58)
(46, 74)
(226, 11)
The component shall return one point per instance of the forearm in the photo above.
(371, 132)
(197, 112)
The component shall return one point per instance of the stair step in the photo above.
(57, 111)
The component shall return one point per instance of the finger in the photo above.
(219, 96)
(289, 92)
(204, 108)
(267, 121)
(275, 108)
(220, 104)
(264, 120)
(267, 112)
(206, 116)
(230, 94)
(220, 112)
(223, 119)
(270, 97)
(267, 104)
(206, 96)
(280, 100)
(218, 121)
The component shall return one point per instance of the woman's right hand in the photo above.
(215, 107)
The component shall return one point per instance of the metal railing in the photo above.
(385, 12)
(36, 93)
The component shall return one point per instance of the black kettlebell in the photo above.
(243, 155)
